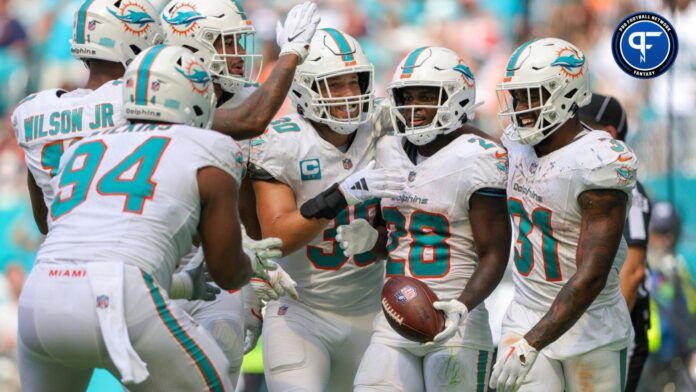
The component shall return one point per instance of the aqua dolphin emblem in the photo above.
(569, 62)
(197, 76)
(625, 173)
(184, 18)
(139, 18)
(466, 71)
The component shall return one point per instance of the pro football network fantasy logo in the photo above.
(183, 18)
(134, 18)
(644, 45)
(570, 62)
(197, 76)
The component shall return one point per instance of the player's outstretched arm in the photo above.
(490, 225)
(279, 216)
(38, 205)
(252, 116)
(220, 230)
(601, 228)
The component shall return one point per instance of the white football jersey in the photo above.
(131, 194)
(293, 153)
(46, 123)
(430, 235)
(543, 204)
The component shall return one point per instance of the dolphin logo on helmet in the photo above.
(198, 76)
(139, 18)
(184, 18)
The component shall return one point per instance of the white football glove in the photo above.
(262, 253)
(357, 237)
(278, 285)
(455, 315)
(253, 321)
(371, 183)
(300, 25)
(512, 366)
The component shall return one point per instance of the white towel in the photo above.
(106, 280)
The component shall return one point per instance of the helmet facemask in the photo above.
(545, 111)
(356, 107)
(443, 121)
(233, 44)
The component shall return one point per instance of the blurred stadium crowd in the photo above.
(35, 53)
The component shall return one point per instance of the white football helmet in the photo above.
(333, 53)
(114, 30)
(169, 84)
(432, 67)
(556, 72)
(197, 24)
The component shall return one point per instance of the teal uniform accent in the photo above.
(141, 188)
(143, 75)
(81, 178)
(411, 60)
(82, 21)
(481, 367)
(342, 43)
(541, 218)
(622, 365)
(513, 59)
(206, 368)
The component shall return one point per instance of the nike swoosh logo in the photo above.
(290, 39)
(625, 158)
(500, 154)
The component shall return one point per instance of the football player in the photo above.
(222, 37)
(569, 189)
(106, 36)
(606, 113)
(311, 172)
(445, 228)
(128, 201)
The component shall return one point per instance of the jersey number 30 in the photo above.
(76, 180)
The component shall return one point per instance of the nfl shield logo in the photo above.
(282, 310)
(102, 301)
(411, 176)
(129, 83)
(406, 294)
(92, 25)
(347, 164)
(155, 85)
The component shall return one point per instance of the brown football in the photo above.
(407, 304)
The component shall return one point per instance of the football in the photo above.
(407, 304)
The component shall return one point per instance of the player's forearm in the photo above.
(252, 116)
(570, 303)
(485, 279)
(38, 205)
(380, 248)
(294, 230)
(632, 274)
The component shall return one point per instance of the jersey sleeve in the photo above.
(270, 154)
(219, 151)
(611, 165)
(487, 171)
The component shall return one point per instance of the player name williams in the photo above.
(527, 192)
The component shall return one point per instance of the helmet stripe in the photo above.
(82, 21)
(513, 59)
(143, 75)
(240, 9)
(411, 62)
(342, 43)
